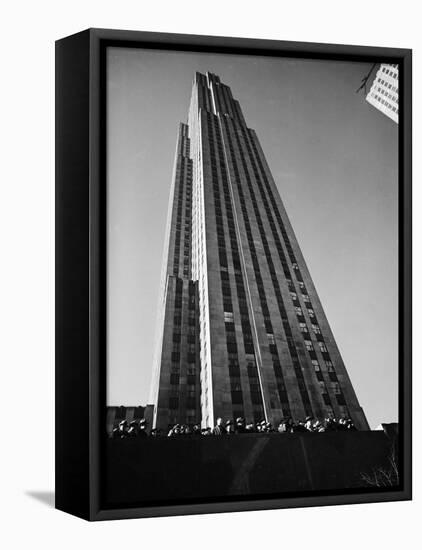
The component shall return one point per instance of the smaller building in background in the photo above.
(384, 92)
(116, 414)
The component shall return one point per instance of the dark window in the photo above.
(231, 347)
(237, 398)
(249, 348)
(234, 371)
(174, 379)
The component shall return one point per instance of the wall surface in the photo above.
(27, 275)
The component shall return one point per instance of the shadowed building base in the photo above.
(165, 469)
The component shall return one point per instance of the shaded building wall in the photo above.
(175, 387)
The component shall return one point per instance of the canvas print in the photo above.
(252, 276)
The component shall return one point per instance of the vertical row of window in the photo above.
(286, 325)
(223, 190)
(281, 388)
(190, 371)
(253, 153)
(184, 199)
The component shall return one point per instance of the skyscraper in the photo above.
(384, 92)
(242, 330)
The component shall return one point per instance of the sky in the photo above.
(334, 158)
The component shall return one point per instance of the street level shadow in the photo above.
(45, 497)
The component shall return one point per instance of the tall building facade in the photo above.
(384, 92)
(242, 330)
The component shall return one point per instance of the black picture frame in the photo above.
(81, 273)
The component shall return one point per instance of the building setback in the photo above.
(242, 330)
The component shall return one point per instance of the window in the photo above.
(234, 371)
(308, 345)
(311, 313)
(322, 347)
(174, 379)
(249, 347)
(330, 366)
(271, 339)
(336, 388)
(233, 359)
(316, 365)
(322, 386)
(303, 327)
(237, 398)
(228, 317)
(316, 329)
(175, 368)
(235, 384)
(298, 310)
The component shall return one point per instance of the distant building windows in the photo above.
(323, 347)
(308, 345)
(228, 317)
(330, 366)
(336, 388)
(316, 365)
(316, 329)
(303, 327)
(174, 379)
(237, 398)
